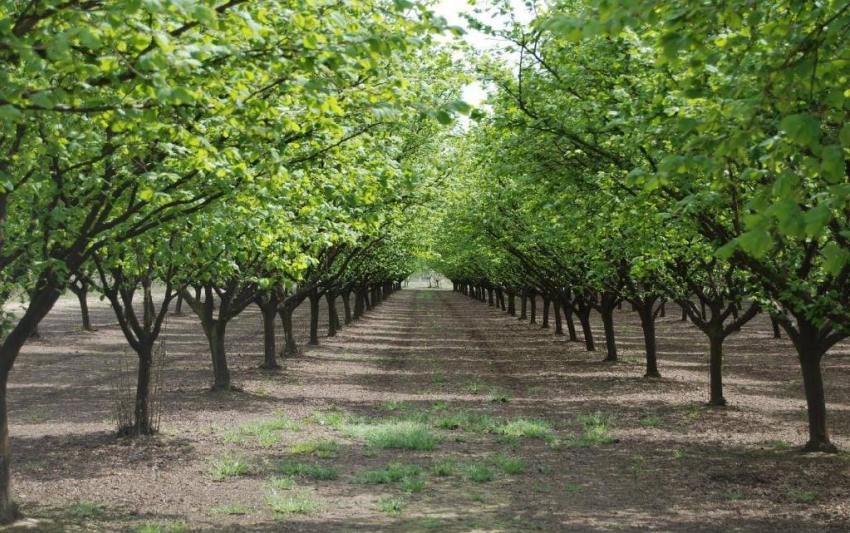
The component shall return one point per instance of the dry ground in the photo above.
(508, 405)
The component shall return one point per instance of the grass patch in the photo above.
(395, 435)
(524, 427)
(475, 387)
(802, 496)
(480, 473)
(650, 421)
(780, 445)
(162, 527)
(334, 419)
(497, 396)
(412, 484)
(284, 483)
(83, 509)
(595, 430)
(233, 510)
(477, 497)
(299, 503)
(513, 466)
(228, 466)
(308, 470)
(445, 468)
(394, 405)
(678, 455)
(732, 494)
(390, 505)
(320, 448)
(439, 406)
(394, 472)
(264, 433)
(573, 488)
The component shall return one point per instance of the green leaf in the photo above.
(756, 243)
(844, 136)
(9, 112)
(146, 194)
(816, 219)
(802, 129)
(43, 99)
(835, 257)
(832, 166)
(205, 14)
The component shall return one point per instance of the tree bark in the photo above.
(511, 304)
(715, 364)
(215, 336)
(545, 322)
(314, 317)
(524, 306)
(290, 346)
(607, 312)
(178, 307)
(8, 508)
(810, 354)
(559, 324)
(333, 318)
(142, 423)
(584, 318)
(532, 301)
(269, 312)
(647, 324)
(346, 306)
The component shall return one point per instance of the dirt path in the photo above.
(433, 413)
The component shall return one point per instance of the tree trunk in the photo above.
(647, 324)
(532, 303)
(584, 318)
(684, 314)
(269, 310)
(314, 317)
(82, 296)
(346, 306)
(333, 318)
(215, 337)
(511, 304)
(777, 334)
(524, 306)
(142, 422)
(571, 325)
(178, 307)
(715, 367)
(607, 313)
(810, 355)
(8, 508)
(290, 346)
(559, 324)
(545, 324)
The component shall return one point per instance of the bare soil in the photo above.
(671, 465)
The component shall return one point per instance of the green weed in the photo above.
(480, 473)
(83, 509)
(228, 466)
(299, 503)
(308, 470)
